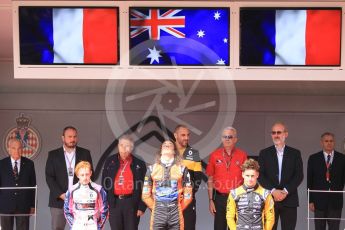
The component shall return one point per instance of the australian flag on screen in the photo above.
(189, 36)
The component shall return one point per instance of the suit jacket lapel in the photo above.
(77, 156)
(322, 162)
(275, 165)
(77, 159)
(22, 167)
(10, 168)
(334, 163)
(285, 163)
(62, 159)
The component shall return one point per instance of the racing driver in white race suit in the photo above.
(86, 206)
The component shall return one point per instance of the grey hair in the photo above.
(231, 129)
(327, 134)
(12, 140)
(282, 124)
(127, 138)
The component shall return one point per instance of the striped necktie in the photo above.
(15, 171)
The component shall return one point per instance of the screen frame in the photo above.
(75, 7)
(126, 71)
(291, 8)
(183, 8)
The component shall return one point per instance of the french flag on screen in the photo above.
(290, 37)
(68, 35)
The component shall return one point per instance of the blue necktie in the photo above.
(328, 164)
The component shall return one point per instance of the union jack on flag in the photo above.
(184, 36)
(156, 21)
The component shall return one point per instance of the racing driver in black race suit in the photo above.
(250, 206)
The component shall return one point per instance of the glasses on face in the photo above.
(276, 132)
(228, 137)
(125, 146)
(168, 145)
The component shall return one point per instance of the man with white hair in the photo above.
(123, 178)
(16, 171)
(224, 173)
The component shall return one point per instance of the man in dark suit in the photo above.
(281, 171)
(326, 171)
(16, 171)
(123, 177)
(60, 173)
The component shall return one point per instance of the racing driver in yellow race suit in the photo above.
(250, 206)
(167, 189)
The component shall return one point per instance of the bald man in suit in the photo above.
(281, 171)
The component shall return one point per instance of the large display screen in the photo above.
(179, 36)
(68, 35)
(290, 36)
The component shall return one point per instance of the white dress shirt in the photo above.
(18, 164)
(280, 154)
(326, 154)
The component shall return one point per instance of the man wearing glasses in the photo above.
(224, 173)
(281, 171)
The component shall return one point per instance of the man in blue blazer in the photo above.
(281, 171)
(326, 171)
(16, 171)
(60, 175)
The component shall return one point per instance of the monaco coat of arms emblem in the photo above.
(28, 136)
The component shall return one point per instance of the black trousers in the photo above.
(329, 213)
(287, 215)
(165, 216)
(220, 216)
(189, 216)
(124, 215)
(22, 222)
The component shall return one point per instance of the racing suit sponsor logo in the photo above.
(85, 206)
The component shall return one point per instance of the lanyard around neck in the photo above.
(227, 162)
(69, 161)
(124, 167)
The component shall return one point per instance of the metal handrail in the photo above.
(34, 187)
(29, 214)
(324, 191)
